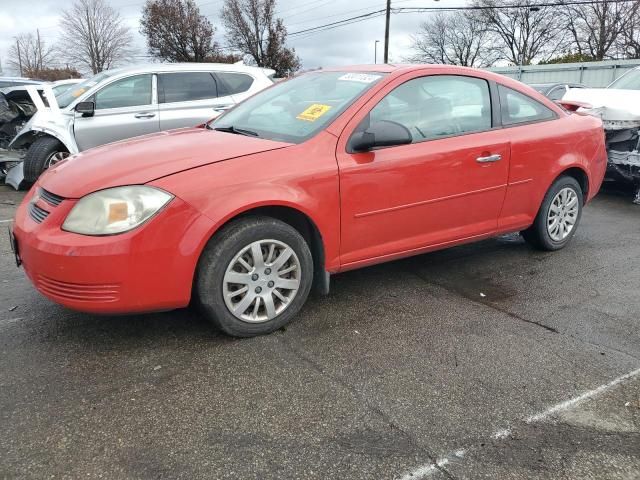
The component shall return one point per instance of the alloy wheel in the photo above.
(261, 281)
(563, 214)
(54, 158)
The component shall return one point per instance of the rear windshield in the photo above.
(630, 81)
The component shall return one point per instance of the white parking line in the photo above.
(424, 471)
(581, 398)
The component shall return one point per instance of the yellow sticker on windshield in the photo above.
(314, 112)
(78, 92)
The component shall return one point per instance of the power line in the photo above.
(375, 13)
(337, 23)
(305, 35)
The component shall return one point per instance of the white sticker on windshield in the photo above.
(359, 77)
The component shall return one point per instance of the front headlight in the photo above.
(115, 210)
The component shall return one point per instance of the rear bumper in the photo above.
(148, 269)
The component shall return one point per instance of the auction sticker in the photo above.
(314, 112)
(359, 77)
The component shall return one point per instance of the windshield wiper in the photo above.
(237, 131)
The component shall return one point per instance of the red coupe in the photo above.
(329, 171)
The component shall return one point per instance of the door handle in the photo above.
(145, 115)
(222, 107)
(491, 158)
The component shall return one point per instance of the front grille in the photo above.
(51, 198)
(78, 292)
(37, 213)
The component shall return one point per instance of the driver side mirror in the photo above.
(380, 134)
(87, 109)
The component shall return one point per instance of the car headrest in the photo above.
(437, 106)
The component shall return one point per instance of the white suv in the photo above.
(127, 102)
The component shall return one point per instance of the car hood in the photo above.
(609, 104)
(147, 158)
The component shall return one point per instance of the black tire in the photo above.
(38, 154)
(223, 249)
(537, 235)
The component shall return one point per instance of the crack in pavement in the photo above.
(486, 303)
(315, 365)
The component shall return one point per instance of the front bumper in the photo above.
(150, 268)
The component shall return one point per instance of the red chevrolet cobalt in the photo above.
(330, 171)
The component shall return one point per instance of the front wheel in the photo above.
(42, 154)
(254, 276)
(559, 216)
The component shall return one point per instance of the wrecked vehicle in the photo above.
(16, 108)
(618, 105)
(127, 102)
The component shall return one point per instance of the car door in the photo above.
(447, 185)
(124, 108)
(188, 99)
(534, 137)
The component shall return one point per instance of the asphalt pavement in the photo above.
(486, 361)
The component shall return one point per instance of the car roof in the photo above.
(68, 80)
(182, 67)
(399, 69)
(392, 67)
(554, 84)
(26, 81)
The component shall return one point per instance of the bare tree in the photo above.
(628, 43)
(29, 54)
(523, 31)
(253, 29)
(597, 27)
(452, 38)
(177, 32)
(94, 36)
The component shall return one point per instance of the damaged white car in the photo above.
(120, 104)
(618, 106)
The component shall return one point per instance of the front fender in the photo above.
(41, 124)
(303, 178)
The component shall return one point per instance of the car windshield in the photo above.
(629, 81)
(66, 97)
(297, 109)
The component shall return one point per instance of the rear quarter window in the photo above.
(235, 82)
(518, 108)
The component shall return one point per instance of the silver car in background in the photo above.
(128, 102)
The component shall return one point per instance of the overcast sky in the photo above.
(340, 46)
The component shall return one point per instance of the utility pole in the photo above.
(39, 64)
(386, 33)
(19, 55)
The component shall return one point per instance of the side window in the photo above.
(519, 108)
(557, 93)
(236, 82)
(437, 106)
(186, 86)
(126, 92)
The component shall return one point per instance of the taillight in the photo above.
(573, 106)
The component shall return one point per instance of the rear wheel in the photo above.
(559, 216)
(254, 276)
(42, 154)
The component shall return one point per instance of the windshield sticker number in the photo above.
(359, 77)
(314, 112)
